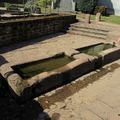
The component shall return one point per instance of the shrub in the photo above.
(7, 5)
(13, 8)
(31, 6)
(86, 6)
(44, 3)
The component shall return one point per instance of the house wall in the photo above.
(113, 6)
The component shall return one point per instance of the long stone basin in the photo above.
(26, 88)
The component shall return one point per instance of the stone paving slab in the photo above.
(112, 98)
(23, 51)
(102, 110)
(97, 101)
(88, 115)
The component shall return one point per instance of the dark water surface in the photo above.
(31, 69)
(95, 49)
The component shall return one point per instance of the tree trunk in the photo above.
(87, 18)
(98, 17)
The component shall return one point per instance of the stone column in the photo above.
(73, 6)
(52, 4)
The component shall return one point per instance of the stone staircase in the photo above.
(90, 30)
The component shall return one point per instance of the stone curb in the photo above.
(110, 55)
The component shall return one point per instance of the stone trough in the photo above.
(26, 88)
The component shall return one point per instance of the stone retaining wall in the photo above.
(26, 29)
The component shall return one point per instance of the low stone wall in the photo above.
(29, 28)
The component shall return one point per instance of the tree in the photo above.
(86, 6)
(32, 6)
(44, 3)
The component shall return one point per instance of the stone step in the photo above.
(86, 34)
(89, 27)
(92, 31)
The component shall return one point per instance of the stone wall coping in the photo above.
(110, 55)
(83, 55)
(32, 19)
(105, 52)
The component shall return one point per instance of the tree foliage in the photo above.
(31, 6)
(38, 3)
(86, 6)
(44, 3)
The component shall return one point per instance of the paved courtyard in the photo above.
(52, 44)
(94, 96)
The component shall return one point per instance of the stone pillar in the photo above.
(52, 4)
(73, 6)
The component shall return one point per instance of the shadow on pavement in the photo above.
(20, 44)
(10, 110)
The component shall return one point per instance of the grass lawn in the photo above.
(110, 19)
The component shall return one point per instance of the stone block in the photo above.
(110, 55)
(84, 64)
